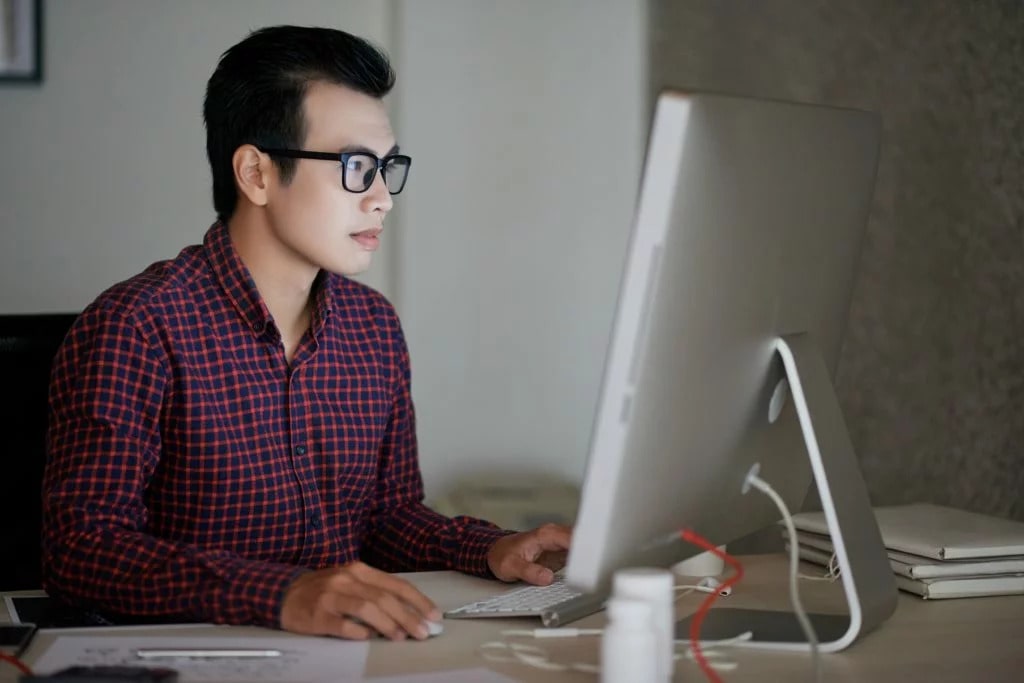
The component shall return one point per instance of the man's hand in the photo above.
(354, 602)
(531, 556)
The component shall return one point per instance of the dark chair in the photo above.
(27, 347)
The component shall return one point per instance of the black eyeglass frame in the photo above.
(343, 157)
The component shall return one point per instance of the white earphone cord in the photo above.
(794, 566)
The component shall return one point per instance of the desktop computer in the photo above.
(727, 334)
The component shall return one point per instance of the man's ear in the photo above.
(252, 173)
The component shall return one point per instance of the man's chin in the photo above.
(353, 267)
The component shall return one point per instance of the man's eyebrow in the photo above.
(363, 149)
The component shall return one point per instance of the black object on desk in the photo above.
(47, 612)
(15, 638)
(105, 674)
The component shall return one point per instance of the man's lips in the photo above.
(369, 239)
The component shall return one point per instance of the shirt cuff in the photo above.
(257, 594)
(477, 539)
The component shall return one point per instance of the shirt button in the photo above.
(257, 326)
(314, 521)
(300, 450)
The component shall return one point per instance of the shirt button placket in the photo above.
(300, 461)
(314, 519)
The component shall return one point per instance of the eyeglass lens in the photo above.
(360, 169)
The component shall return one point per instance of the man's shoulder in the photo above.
(162, 284)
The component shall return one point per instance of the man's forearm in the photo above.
(132, 573)
(412, 537)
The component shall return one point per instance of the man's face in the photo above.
(314, 217)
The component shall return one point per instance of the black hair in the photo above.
(256, 94)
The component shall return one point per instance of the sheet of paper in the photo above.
(302, 660)
(455, 676)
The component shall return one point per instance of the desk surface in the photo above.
(945, 640)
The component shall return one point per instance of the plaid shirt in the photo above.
(193, 474)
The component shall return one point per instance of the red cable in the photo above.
(702, 611)
(14, 661)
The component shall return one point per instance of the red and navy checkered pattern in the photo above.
(193, 473)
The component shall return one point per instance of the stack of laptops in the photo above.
(935, 552)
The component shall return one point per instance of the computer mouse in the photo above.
(434, 628)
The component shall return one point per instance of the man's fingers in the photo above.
(531, 572)
(411, 621)
(553, 560)
(538, 574)
(554, 537)
(363, 606)
(404, 590)
(530, 555)
(330, 614)
(422, 605)
(550, 538)
(350, 629)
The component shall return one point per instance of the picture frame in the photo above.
(21, 41)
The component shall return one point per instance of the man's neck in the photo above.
(283, 279)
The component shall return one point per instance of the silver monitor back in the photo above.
(748, 229)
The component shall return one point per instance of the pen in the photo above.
(157, 653)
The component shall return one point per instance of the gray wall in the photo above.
(932, 373)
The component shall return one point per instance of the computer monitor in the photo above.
(736, 289)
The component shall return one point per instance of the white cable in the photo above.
(708, 584)
(708, 656)
(725, 642)
(826, 577)
(794, 565)
(704, 589)
(684, 591)
(707, 648)
(553, 632)
(831, 570)
(531, 655)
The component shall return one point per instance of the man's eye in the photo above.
(356, 165)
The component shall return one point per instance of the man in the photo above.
(232, 432)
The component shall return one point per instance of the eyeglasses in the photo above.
(358, 169)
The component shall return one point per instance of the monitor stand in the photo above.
(863, 563)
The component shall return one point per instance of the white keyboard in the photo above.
(555, 604)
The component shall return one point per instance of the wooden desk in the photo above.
(979, 639)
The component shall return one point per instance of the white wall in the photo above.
(526, 122)
(104, 169)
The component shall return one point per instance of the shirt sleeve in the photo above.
(106, 398)
(404, 534)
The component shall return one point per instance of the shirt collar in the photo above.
(240, 288)
(235, 279)
(325, 286)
